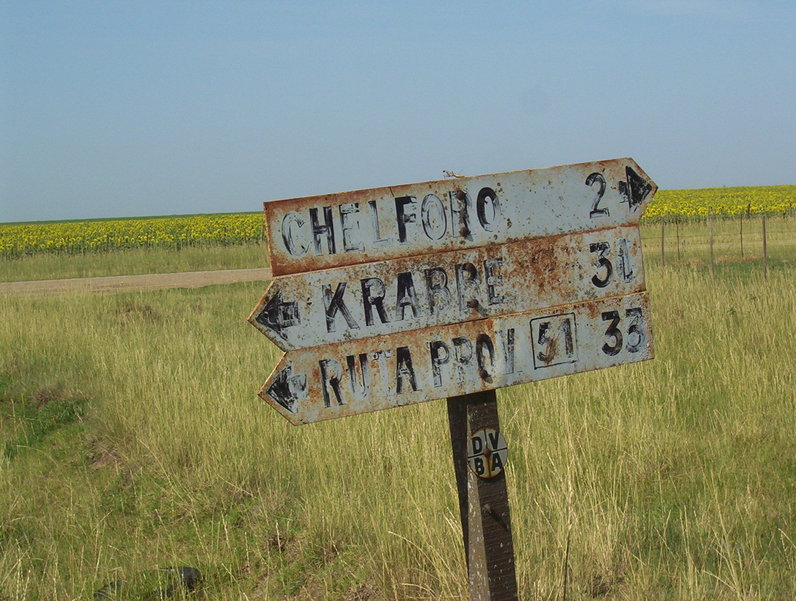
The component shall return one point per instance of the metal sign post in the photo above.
(479, 453)
(452, 289)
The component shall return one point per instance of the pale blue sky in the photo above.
(149, 108)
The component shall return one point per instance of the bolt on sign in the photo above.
(452, 289)
(400, 295)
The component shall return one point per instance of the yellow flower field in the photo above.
(75, 237)
(685, 204)
(156, 232)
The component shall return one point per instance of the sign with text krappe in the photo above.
(385, 297)
(395, 296)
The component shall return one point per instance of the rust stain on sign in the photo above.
(395, 296)
(321, 232)
(385, 297)
(361, 376)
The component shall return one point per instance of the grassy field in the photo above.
(736, 241)
(133, 262)
(132, 439)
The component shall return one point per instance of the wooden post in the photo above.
(663, 252)
(765, 247)
(710, 223)
(483, 502)
(677, 236)
(742, 235)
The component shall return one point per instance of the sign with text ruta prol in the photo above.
(394, 296)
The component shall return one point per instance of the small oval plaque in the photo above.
(487, 453)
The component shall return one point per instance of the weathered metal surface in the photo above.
(483, 502)
(360, 376)
(320, 232)
(487, 453)
(374, 299)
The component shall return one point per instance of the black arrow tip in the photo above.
(278, 315)
(288, 390)
(635, 189)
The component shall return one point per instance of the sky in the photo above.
(113, 109)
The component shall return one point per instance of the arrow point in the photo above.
(635, 189)
(285, 388)
(276, 315)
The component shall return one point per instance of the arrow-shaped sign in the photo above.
(350, 378)
(321, 232)
(274, 316)
(401, 295)
(635, 189)
(446, 288)
(287, 389)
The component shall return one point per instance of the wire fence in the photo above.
(714, 240)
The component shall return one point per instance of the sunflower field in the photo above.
(682, 205)
(76, 237)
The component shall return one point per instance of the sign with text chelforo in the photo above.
(320, 232)
(395, 296)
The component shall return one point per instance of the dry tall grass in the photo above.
(673, 479)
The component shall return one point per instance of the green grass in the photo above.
(133, 440)
(133, 262)
(38, 417)
(737, 243)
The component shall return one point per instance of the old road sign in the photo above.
(385, 297)
(349, 378)
(319, 232)
(394, 296)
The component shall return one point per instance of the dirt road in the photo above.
(129, 283)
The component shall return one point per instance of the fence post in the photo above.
(677, 235)
(742, 235)
(663, 252)
(765, 247)
(710, 224)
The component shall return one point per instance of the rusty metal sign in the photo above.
(451, 289)
(401, 295)
(321, 232)
(360, 376)
(442, 289)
